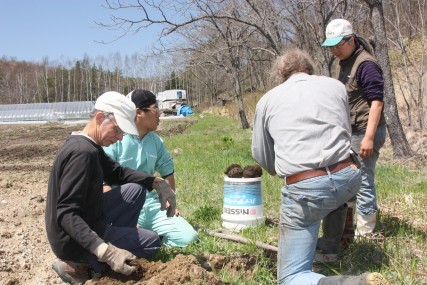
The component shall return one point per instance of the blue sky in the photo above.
(62, 29)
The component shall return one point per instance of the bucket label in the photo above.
(234, 211)
(242, 194)
(242, 203)
(240, 200)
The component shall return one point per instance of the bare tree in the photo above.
(86, 78)
(55, 83)
(45, 78)
(398, 139)
(231, 23)
(228, 51)
(20, 85)
(408, 37)
(62, 83)
(36, 79)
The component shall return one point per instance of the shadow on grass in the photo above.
(396, 227)
(361, 256)
(398, 251)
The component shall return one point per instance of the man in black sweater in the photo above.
(87, 228)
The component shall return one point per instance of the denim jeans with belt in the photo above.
(304, 205)
(367, 196)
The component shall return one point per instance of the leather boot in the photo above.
(332, 226)
(364, 279)
(72, 272)
(349, 228)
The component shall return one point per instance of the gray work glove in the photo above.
(116, 258)
(166, 194)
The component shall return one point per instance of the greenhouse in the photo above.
(46, 112)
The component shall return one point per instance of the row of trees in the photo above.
(210, 47)
(82, 80)
(238, 35)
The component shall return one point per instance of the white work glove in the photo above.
(116, 258)
(166, 194)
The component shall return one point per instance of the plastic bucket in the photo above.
(242, 203)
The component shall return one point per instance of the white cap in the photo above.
(124, 110)
(336, 30)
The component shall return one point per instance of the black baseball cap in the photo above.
(142, 98)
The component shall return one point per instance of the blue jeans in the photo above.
(122, 206)
(304, 205)
(367, 196)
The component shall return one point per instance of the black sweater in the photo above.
(74, 207)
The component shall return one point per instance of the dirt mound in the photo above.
(183, 269)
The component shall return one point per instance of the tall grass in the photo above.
(205, 149)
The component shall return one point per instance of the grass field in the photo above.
(211, 143)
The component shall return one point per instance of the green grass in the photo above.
(205, 149)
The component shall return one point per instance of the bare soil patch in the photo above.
(182, 270)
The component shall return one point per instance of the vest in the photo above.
(359, 104)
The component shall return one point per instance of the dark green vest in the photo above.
(359, 105)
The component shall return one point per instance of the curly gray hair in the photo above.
(292, 61)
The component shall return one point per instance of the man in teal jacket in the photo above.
(147, 153)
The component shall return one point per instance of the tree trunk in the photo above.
(239, 97)
(398, 139)
(421, 107)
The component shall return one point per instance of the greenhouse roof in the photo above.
(49, 112)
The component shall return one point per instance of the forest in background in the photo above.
(224, 49)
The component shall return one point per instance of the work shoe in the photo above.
(72, 273)
(364, 279)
